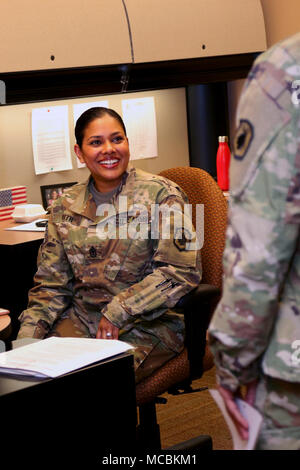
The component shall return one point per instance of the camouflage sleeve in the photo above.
(175, 270)
(52, 289)
(261, 238)
(254, 269)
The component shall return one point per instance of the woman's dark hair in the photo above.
(89, 115)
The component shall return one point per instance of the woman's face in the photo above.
(105, 151)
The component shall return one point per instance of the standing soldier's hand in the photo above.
(234, 412)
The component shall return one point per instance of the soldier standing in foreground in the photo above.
(255, 331)
(94, 278)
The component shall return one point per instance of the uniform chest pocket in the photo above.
(92, 247)
(93, 263)
(115, 258)
(127, 260)
(134, 265)
(85, 259)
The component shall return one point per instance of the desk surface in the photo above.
(10, 237)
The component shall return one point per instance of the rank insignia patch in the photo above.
(243, 139)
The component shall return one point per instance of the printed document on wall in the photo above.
(140, 121)
(78, 109)
(50, 139)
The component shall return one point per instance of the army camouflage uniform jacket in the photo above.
(133, 282)
(256, 326)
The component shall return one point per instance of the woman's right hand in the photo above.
(106, 330)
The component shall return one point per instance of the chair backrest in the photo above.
(201, 188)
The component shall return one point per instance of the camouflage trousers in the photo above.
(279, 403)
(149, 353)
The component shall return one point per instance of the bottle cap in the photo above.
(223, 138)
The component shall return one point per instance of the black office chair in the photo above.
(177, 375)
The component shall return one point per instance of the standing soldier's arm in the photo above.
(256, 259)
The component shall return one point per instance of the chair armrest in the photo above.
(202, 293)
(197, 307)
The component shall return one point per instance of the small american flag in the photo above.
(9, 198)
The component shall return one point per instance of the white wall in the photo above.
(16, 157)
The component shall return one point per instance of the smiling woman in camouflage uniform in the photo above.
(119, 287)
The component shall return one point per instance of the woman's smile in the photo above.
(109, 163)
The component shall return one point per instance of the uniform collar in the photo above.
(84, 203)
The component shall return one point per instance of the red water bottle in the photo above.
(223, 161)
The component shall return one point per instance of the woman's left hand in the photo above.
(106, 330)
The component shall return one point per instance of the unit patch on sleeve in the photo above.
(243, 139)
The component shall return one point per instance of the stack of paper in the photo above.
(54, 356)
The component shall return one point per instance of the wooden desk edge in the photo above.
(10, 237)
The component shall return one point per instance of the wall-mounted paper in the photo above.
(140, 121)
(78, 109)
(50, 139)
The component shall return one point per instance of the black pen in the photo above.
(42, 223)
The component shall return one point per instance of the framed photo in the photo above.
(53, 191)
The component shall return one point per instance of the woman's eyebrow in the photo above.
(99, 136)
(94, 137)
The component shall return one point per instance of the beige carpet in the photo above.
(187, 416)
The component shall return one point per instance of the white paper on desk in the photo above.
(253, 417)
(55, 356)
(50, 139)
(30, 227)
(78, 109)
(140, 122)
